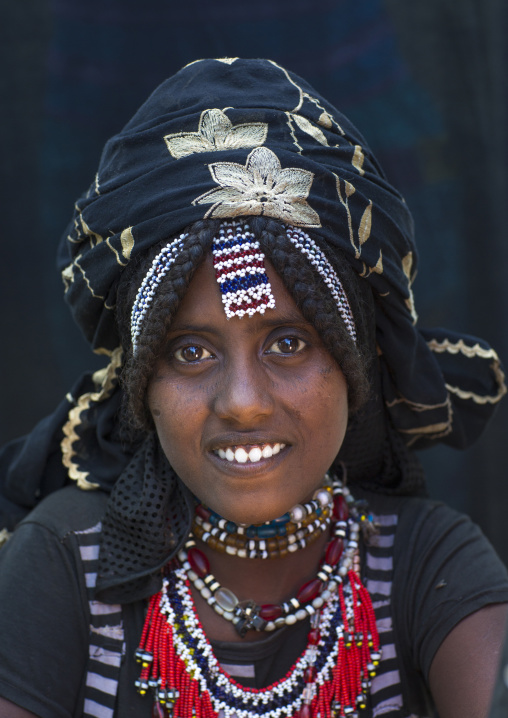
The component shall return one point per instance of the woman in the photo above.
(254, 528)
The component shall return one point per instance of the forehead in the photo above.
(203, 301)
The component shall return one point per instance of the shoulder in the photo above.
(68, 511)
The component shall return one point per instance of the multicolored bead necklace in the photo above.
(247, 615)
(329, 680)
(296, 529)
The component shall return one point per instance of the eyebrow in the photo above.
(287, 318)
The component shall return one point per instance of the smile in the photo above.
(249, 453)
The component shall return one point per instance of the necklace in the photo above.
(247, 615)
(329, 680)
(296, 529)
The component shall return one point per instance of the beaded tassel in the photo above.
(329, 680)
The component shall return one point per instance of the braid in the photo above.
(315, 302)
(138, 369)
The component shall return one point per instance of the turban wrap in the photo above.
(232, 138)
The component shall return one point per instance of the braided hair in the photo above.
(307, 288)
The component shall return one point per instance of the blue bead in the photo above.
(267, 531)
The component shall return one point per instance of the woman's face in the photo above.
(250, 412)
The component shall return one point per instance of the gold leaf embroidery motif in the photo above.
(365, 224)
(376, 269)
(94, 237)
(127, 240)
(261, 187)
(216, 133)
(226, 60)
(407, 266)
(348, 191)
(325, 120)
(306, 126)
(358, 159)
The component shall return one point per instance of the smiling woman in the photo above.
(246, 533)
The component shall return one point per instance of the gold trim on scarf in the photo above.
(105, 380)
(470, 352)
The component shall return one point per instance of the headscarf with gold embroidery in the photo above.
(233, 137)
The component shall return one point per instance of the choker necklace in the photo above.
(296, 529)
(329, 680)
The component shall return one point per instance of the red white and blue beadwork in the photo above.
(240, 271)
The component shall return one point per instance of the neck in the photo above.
(263, 581)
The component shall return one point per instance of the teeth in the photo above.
(242, 456)
(255, 454)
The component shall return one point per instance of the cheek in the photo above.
(174, 416)
(330, 410)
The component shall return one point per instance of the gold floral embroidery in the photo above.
(261, 187)
(216, 133)
(226, 60)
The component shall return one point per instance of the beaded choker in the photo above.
(329, 680)
(294, 530)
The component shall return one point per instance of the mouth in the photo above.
(249, 453)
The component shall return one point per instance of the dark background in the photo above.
(425, 81)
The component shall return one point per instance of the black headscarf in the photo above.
(231, 138)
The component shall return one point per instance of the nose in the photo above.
(245, 393)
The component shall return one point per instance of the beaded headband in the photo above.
(239, 265)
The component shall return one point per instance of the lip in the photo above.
(248, 467)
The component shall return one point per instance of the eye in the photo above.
(287, 345)
(191, 353)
